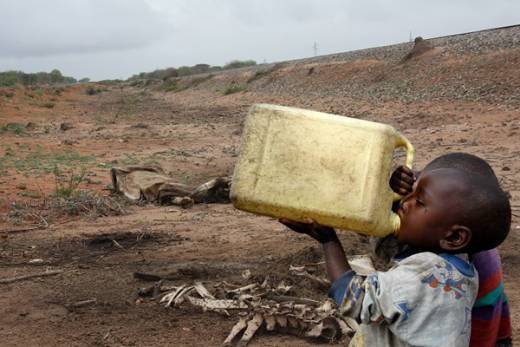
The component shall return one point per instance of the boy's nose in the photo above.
(403, 204)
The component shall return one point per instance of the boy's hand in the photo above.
(402, 180)
(320, 233)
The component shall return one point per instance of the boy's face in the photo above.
(432, 209)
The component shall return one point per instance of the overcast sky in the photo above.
(104, 39)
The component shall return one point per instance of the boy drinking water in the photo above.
(427, 297)
(490, 320)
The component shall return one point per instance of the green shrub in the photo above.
(233, 88)
(67, 185)
(92, 90)
(58, 91)
(170, 85)
(258, 75)
(11, 78)
(236, 64)
(15, 128)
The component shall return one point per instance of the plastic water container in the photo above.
(301, 164)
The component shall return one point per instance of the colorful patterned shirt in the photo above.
(424, 300)
(490, 321)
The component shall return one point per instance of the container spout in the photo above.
(396, 223)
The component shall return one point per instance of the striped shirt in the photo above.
(490, 321)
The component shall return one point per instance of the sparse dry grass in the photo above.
(51, 208)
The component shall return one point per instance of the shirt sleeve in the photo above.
(339, 287)
(362, 298)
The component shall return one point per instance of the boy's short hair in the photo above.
(489, 210)
(463, 161)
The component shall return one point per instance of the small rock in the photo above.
(246, 274)
(66, 126)
(30, 126)
(35, 261)
(506, 168)
(68, 142)
(21, 186)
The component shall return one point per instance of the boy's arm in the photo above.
(335, 259)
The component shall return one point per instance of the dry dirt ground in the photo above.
(194, 134)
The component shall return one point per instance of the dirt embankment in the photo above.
(460, 95)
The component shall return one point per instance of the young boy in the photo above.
(490, 320)
(427, 297)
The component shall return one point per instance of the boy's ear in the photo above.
(456, 238)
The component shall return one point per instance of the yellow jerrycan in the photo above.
(301, 164)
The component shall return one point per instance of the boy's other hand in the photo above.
(402, 180)
(320, 233)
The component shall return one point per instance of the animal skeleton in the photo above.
(264, 305)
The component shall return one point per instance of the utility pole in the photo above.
(410, 38)
(315, 48)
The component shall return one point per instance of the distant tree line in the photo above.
(165, 74)
(11, 78)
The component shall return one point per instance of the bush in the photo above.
(169, 73)
(15, 128)
(170, 85)
(233, 88)
(236, 64)
(11, 78)
(92, 90)
(65, 186)
(58, 91)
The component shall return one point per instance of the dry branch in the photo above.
(82, 303)
(43, 225)
(28, 277)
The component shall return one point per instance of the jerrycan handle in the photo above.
(401, 141)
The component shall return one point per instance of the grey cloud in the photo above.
(118, 38)
(38, 28)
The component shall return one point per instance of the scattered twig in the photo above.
(16, 231)
(27, 277)
(117, 244)
(82, 303)
(43, 225)
(461, 144)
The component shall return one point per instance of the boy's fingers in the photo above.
(406, 169)
(407, 177)
(397, 183)
(401, 187)
(403, 191)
